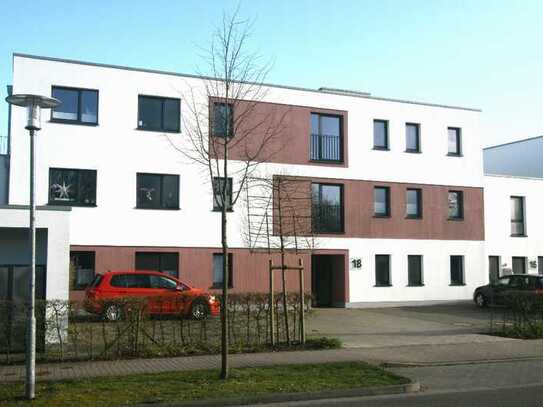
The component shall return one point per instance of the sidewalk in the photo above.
(416, 354)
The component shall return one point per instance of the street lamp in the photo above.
(33, 104)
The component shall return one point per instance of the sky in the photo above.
(486, 54)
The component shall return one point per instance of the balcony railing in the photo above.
(325, 147)
(327, 218)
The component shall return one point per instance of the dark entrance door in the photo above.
(327, 279)
(493, 268)
(14, 291)
(519, 265)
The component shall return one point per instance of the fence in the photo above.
(522, 317)
(325, 147)
(68, 333)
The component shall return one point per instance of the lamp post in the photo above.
(33, 104)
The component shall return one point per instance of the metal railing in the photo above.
(327, 218)
(325, 147)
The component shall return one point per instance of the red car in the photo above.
(161, 293)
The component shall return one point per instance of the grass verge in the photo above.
(202, 384)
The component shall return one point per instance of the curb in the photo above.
(459, 363)
(412, 387)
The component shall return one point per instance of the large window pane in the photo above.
(171, 115)
(380, 134)
(68, 109)
(157, 191)
(381, 201)
(414, 265)
(219, 190)
(72, 187)
(413, 203)
(218, 270)
(326, 137)
(158, 261)
(223, 120)
(456, 205)
(454, 142)
(327, 208)
(382, 270)
(412, 133)
(89, 106)
(517, 216)
(170, 191)
(150, 113)
(81, 269)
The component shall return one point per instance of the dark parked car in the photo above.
(497, 293)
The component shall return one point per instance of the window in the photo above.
(380, 135)
(79, 106)
(519, 265)
(217, 270)
(81, 269)
(414, 270)
(223, 120)
(157, 191)
(413, 203)
(218, 189)
(382, 270)
(159, 114)
(540, 265)
(326, 137)
(167, 263)
(381, 201)
(162, 282)
(457, 270)
(517, 216)
(454, 141)
(456, 205)
(72, 187)
(327, 208)
(412, 138)
(130, 280)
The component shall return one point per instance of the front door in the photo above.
(493, 268)
(322, 280)
(519, 265)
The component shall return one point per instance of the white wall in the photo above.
(498, 191)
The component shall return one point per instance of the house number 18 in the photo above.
(356, 263)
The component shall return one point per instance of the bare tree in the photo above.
(228, 131)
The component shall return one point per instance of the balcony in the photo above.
(327, 218)
(326, 147)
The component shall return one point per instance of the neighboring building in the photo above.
(513, 202)
(405, 180)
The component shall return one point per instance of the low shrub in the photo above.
(323, 343)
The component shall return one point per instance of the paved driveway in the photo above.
(380, 327)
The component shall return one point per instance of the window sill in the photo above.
(381, 216)
(415, 285)
(519, 235)
(324, 233)
(454, 155)
(337, 162)
(376, 148)
(72, 205)
(383, 285)
(413, 151)
(76, 122)
(158, 130)
(413, 217)
(158, 209)
(457, 285)
(455, 219)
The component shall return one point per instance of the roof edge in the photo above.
(128, 68)
(513, 142)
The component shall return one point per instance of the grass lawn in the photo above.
(202, 384)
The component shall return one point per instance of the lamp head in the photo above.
(33, 104)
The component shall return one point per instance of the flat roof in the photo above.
(345, 93)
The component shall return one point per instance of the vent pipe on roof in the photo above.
(343, 92)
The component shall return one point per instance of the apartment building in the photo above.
(399, 184)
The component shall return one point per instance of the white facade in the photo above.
(117, 150)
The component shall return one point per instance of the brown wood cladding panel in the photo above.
(434, 224)
(292, 124)
(250, 270)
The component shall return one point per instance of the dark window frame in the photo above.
(460, 200)
(462, 280)
(161, 128)
(162, 176)
(387, 213)
(386, 147)
(410, 280)
(388, 282)
(341, 212)
(458, 151)
(214, 121)
(319, 135)
(419, 213)
(413, 150)
(215, 284)
(230, 185)
(524, 261)
(161, 262)
(77, 121)
(522, 220)
(73, 278)
(51, 201)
